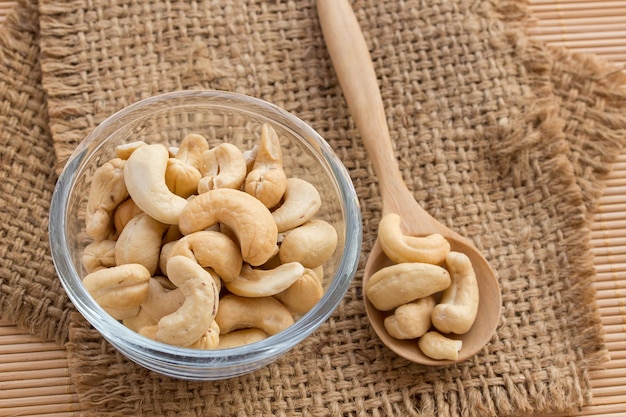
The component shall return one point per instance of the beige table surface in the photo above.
(35, 380)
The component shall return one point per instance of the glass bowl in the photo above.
(219, 117)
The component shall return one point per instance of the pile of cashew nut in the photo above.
(201, 247)
(430, 291)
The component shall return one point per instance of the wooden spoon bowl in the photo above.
(475, 339)
(353, 65)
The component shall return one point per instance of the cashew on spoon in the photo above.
(400, 248)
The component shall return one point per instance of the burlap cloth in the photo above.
(501, 138)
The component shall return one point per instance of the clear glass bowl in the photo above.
(220, 117)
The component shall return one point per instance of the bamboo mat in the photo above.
(34, 377)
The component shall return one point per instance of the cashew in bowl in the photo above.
(222, 167)
(98, 254)
(108, 190)
(119, 290)
(140, 242)
(399, 284)
(209, 340)
(180, 178)
(301, 202)
(205, 218)
(400, 248)
(187, 324)
(125, 150)
(123, 213)
(264, 313)
(191, 149)
(161, 302)
(437, 346)
(253, 282)
(267, 180)
(211, 250)
(251, 221)
(311, 244)
(144, 175)
(303, 294)
(458, 307)
(240, 337)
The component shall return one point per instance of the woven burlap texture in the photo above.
(499, 137)
(30, 294)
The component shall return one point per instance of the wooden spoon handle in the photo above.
(353, 65)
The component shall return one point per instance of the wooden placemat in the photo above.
(21, 375)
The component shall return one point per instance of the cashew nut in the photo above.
(97, 255)
(149, 331)
(161, 302)
(123, 213)
(119, 290)
(458, 307)
(301, 201)
(267, 180)
(191, 149)
(240, 337)
(222, 167)
(410, 320)
(249, 156)
(183, 169)
(172, 234)
(303, 294)
(140, 242)
(180, 178)
(400, 248)
(164, 256)
(399, 284)
(187, 324)
(165, 282)
(124, 150)
(251, 221)
(319, 273)
(211, 250)
(166, 250)
(209, 340)
(311, 244)
(107, 191)
(434, 345)
(253, 282)
(265, 313)
(144, 174)
(140, 321)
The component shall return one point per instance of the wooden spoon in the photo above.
(353, 65)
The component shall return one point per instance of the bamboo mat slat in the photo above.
(34, 376)
(35, 380)
(585, 26)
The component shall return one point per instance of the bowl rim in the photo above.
(118, 334)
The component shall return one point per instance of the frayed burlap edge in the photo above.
(31, 295)
(589, 98)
